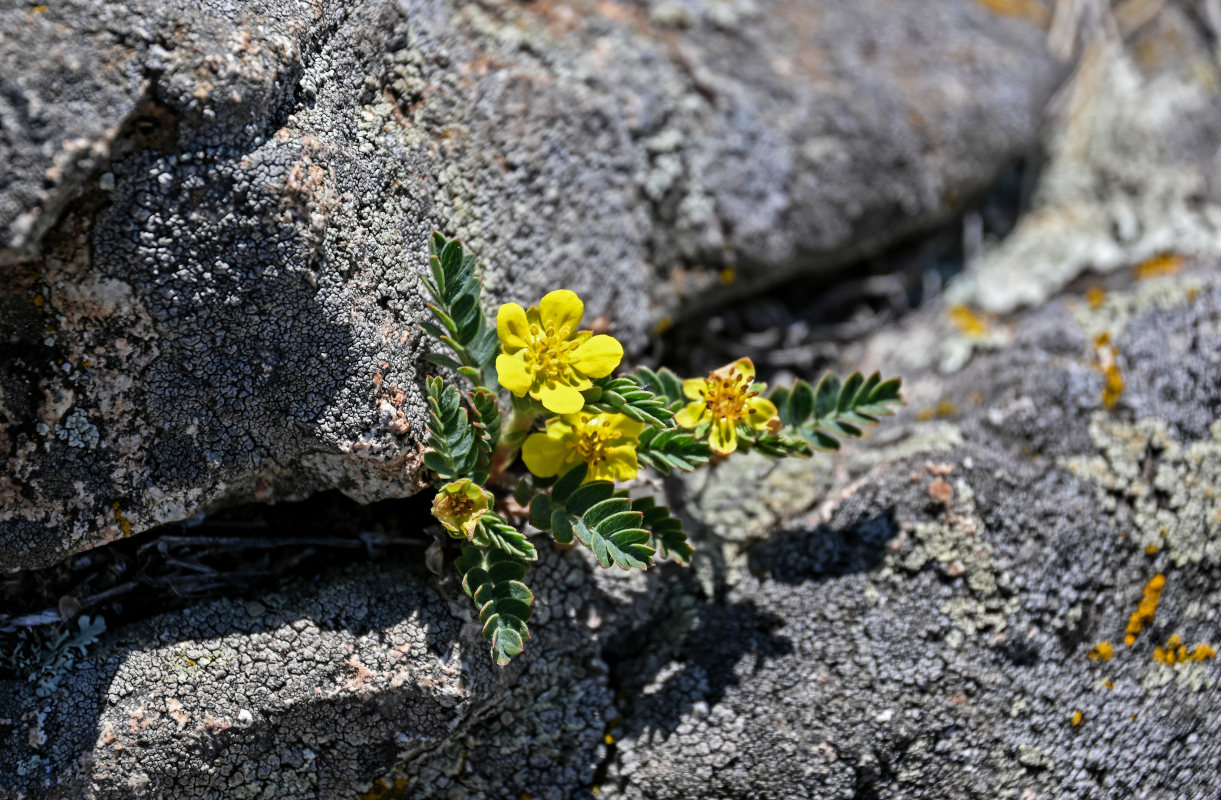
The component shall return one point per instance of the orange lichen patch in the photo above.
(972, 323)
(1151, 550)
(664, 324)
(384, 790)
(1103, 651)
(1032, 10)
(1108, 684)
(1078, 715)
(39, 9)
(39, 300)
(1143, 615)
(1108, 363)
(124, 523)
(728, 275)
(944, 408)
(1164, 264)
(1175, 652)
(1095, 297)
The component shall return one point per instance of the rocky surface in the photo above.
(910, 618)
(212, 215)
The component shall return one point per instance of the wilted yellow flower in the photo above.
(545, 355)
(604, 442)
(724, 400)
(459, 506)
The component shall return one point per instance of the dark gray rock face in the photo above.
(917, 624)
(212, 214)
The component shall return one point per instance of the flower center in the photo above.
(727, 395)
(458, 506)
(592, 442)
(549, 354)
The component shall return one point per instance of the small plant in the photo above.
(580, 431)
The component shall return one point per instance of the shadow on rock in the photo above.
(798, 554)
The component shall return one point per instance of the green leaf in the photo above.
(540, 511)
(464, 328)
(492, 578)
(568, 483)
(494, 531)
(668, 537)
(663, 383)
(666, 451)
(801, 403)
(829, 411)
(457, 446)
(627, 396)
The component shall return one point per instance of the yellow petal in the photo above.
(690, 415)
(741, 367)
(544, 456)
(760, 412)
(619, 465)
(623, 427)
(558, 398)
(512, 373)
(724, 437)
(512, 328)
(695, 388)
(598, 357)
(562, 309)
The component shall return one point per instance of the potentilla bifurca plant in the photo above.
(580, 430)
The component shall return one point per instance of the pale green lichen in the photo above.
(1173, 489)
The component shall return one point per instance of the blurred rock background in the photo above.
(213, 218)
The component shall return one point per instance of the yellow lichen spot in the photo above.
(728, 275)
(946, 409)
(1103, 651)
(595, 790)
(1025, 9)
(608, 739)
(664, 324)
(124, 523)
(39, 9)
(969, 322)
(1108, 363)
(1095, 297)
(1159, 265)
(39, 300)
(525, 796)
(1108, 684)
(1203, 652)
(86, 363)
(1078, 715)
(1151, 550)
(925, 414)
(49, 329)
(1143, 615)
(1192, 294)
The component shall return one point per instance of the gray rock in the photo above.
(212, 215)
(923, 631)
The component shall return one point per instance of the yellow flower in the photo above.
(545, 355)
(725, 400)
(605, 442)
(459, 506)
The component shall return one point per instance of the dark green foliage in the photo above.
(626, 396)
(831, 409)
(668, 538)
(454, 441)
(663, 383)
(462, 439)
(485, 416)
(492, 578)
(666, 450)
(494, 531)
(461, 323)
(595, 516)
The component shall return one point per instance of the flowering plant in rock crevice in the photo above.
(544, 391)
